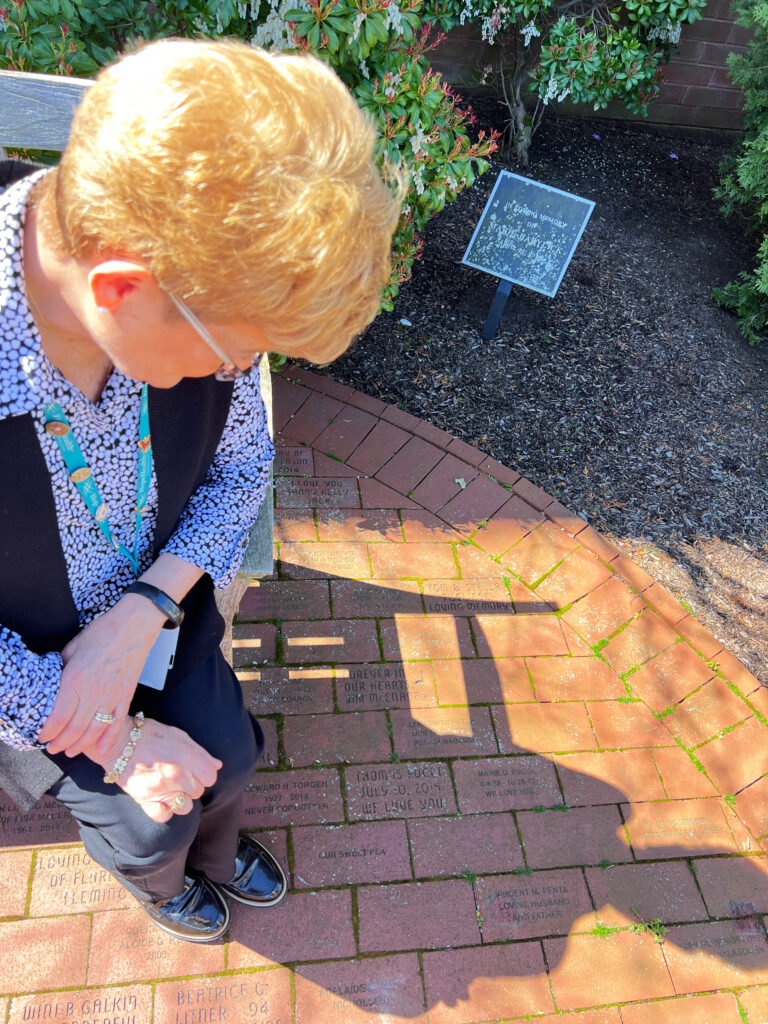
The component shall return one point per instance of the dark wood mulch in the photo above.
(630, 396)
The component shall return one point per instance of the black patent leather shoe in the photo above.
(198, 914)
(259, 881)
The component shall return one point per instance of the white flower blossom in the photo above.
(219, 22)
(3, 23)
(668, 33)
(467, 12)
(491, 26)
(274, 33)
(200, 24)
(563, 94)
(364, 69)
(418, 140)
(529, 31)
(357, 25)
(395, 17)
(551, 91)
(242, 10)
(255, 5)
(417, 177)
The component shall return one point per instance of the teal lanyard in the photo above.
(57, 424)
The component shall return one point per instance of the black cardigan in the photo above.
(186, 423)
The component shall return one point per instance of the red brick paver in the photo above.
(501, 761)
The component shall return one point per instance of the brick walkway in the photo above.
(501, 763)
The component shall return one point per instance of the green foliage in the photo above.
(377, 47)
(743, 188)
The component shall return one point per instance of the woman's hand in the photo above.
(101, 670)
(165, 762)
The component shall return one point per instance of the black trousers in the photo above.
(150, 859)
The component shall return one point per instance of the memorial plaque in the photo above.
(48, 822)
(444, 732)
(528, 233)
(739, 956)
(293, 460)
(288, 691)
(350, 854)
(506, 784)
(126, 947)
(396, 684)
(317, 492)
(284, 600)
(678, 828)
(129, 1005)
(67, 881)
(261, 998)
(416, 790)
(293, 798)
(378, 599)
(529, 906)
(371, 991)
(467, 597)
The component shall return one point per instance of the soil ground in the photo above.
(630, 396)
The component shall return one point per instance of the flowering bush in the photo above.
(591, 51)
(377, 47)
(744, 184)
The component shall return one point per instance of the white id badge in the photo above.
(160, 659)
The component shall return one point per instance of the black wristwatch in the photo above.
(159, 599)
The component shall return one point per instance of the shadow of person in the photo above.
(543, 853)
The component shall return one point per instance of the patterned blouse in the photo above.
(211, 533)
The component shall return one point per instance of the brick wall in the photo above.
(697, 90)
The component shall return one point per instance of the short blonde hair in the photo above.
(244, 179)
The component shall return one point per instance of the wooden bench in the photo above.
(36, 113)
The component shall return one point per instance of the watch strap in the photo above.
(159, 599)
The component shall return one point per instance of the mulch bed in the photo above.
(629, 396)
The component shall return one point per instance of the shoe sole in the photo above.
(194, 938)
(225, 892)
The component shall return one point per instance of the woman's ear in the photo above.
(112, 281)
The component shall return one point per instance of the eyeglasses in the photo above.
(229, 370)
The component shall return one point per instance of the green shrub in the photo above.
(743, 188)
(379, 52)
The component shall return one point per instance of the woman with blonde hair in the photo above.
(214, 202)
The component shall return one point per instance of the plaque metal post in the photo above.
(497, 308)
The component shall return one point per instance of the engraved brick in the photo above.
(418, 637)
(482, 681)
(363, 991)
(505, 783)
(521, 635)
(233, 998)
(317, 492)
(48, 822)
(443, 732)
(574, 679)
(524, 907)
(678, 828)
(67, 881)
(716, 954)
(466, 597)
(314, 561)
(330, 739)
(293, 798)
(417, 915)
(306, 926)
(351, 854)
(544, 728)
(405, 790)
(582, 835)
(288, 691)
(281, 599)
(375, 598)
(293, 460)
(733, 887)
(337, 640)
(666, 891)
(391, 684)
(474, 843)
(15, 866)
(43, 954)
(130, 1002)
(294, 525)
(511, 976)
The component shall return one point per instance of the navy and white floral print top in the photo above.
(211, 533)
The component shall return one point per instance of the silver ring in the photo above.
(100, 716)
(178, 802)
